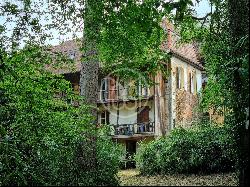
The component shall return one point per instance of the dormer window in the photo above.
(72, 55)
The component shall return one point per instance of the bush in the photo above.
(45, 139)
(204, 149)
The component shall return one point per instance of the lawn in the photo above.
(132, 177)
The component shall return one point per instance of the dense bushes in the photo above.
(44, 139)
(202, 149)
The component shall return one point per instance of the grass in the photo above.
(132, 177)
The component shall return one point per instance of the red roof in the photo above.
(68, 48)
(188, 51)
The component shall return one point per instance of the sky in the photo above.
(201, 8)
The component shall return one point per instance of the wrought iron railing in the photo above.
(131, 129)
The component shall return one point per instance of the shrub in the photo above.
(44, 139)
(202, 149)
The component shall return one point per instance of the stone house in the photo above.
(141, 113)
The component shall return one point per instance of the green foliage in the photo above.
(134, 42)
(108, 156)
(46, 139)
(225, 49)
(197, 150)
(131, 34)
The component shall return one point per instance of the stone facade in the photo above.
(186, 111)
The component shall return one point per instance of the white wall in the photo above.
(128, 112)
(175, 62)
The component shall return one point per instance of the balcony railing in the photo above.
(114, 95)
(131, 129)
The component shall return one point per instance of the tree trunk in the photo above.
(89, 74)
(90, 64)
(239, 28)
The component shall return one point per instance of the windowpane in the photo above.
(104, 117)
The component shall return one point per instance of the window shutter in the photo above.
(112, 88)
(107, 117)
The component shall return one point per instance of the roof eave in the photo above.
(188, 61)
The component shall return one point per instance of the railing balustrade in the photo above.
(131, 129)
(114, 95)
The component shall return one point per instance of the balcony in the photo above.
(132, 129)
(115, 96)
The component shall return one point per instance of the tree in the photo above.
(45, 139)
(90, 69)
(127, 34)
(39, 130)
(239, 41)
(131, 37)
(225, 46)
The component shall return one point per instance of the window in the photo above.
(132, 89)
(108, 89)
(189, 82)
(179, 77)
(104, 117)
(142, 90)
(195, 84)
(112, 88)
(123, 89)
(192, 82)
(104, 89)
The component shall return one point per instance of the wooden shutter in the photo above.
(107, 117)
(143, 115)
(112, 88)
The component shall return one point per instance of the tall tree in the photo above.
(90, 69)
(238, 13)
(90, 64)
(225, 48)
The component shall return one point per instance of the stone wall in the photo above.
(186, 108)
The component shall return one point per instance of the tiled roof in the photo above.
(187, 51)
(71, 49)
